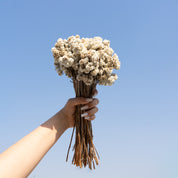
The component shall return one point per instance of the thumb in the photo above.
(79, 100)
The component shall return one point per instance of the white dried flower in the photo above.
(107, 70)
(108, 50)
(95, 72)
(112, 79)
(100, 71)
(67, 62)
(106, 42)
(89, 66)
(86, 59)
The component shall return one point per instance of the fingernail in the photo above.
(89, 99)
(84, 107)
(84, 114)
(87, 118)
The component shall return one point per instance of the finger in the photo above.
(91, 118)
(95, 92)
(90, 112)
(90, 104)
(79, 100)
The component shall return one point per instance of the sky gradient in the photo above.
(136, 129)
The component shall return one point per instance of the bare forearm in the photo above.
(21, 158)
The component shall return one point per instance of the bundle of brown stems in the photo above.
(85, 152)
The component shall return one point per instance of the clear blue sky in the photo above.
(136, 129)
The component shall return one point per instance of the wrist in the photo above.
(65, 118)
(57, 125)
(61, 118)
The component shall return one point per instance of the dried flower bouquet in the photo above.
(88, 62)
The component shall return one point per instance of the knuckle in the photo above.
(94, 103)
(96, 109)
(97, 101)
(92, 111)
(70, 100)
(80, 98)
(93, 117)
(89, 113)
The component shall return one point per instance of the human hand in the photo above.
(89, 105)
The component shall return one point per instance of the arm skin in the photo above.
(20, 159)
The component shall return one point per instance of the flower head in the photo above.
(86, 59)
